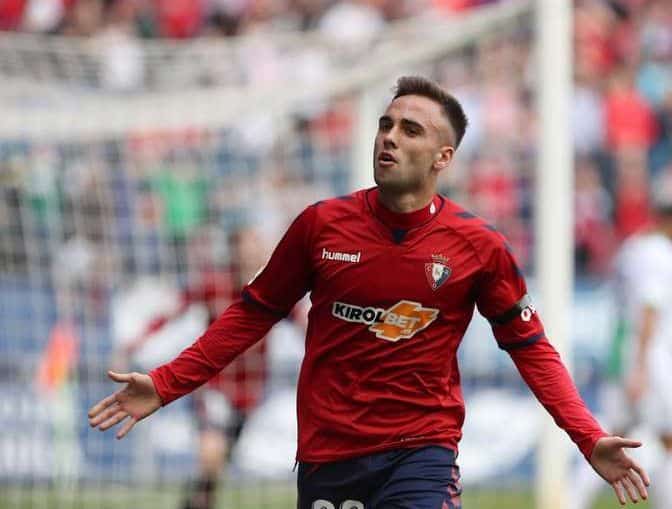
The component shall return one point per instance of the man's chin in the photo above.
(383, 180)
(385, 176)
(391, 185)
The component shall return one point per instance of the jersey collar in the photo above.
(398, 220)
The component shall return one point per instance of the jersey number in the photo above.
(348, 504)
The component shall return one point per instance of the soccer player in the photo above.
(641, 356)
(222, 405)
(394, 273)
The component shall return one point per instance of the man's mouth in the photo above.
(386, 159)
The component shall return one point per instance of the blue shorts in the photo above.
(423, 478)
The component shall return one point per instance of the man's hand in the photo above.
(618, 469)
(134, 402)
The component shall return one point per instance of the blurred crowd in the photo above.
(622, 119)
(195, 18)
(91, 218)
(621, 122)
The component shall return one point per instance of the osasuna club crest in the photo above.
(437, 271)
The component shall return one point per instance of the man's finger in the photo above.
(105, 414)
(626, 442)
(102, 405)
(641, 472)
(630, 489)
(120, 377)
(618, 489)
(115, 419)
(639, 484)
(126, 428)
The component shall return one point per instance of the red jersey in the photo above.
(392, 295)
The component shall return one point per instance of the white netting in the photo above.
(114, 60)
(284, 73)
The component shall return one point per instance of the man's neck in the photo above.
(404, 203)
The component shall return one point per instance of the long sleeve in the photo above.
(544, 372)
(504, 301)
(238, 328)
(268, 298)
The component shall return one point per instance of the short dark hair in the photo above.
(418, 85)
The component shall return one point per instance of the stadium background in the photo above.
(137, 136)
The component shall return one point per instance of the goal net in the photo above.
(144, 183)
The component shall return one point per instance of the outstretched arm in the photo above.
(239, 327)
(265, 300)
(543, 371)
(518, 329)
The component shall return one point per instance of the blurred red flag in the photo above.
(58, 357)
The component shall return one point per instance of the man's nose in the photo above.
(390, 139)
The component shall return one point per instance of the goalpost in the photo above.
(88, 216)
(554, 226)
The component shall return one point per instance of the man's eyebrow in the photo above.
(412, 123)
(407, 122)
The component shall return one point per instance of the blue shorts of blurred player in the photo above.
(422, 478)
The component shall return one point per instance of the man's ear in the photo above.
(443, 158)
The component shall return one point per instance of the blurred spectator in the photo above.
(629, 118)
(457, 76)
(222, 405)
(500, 69)
(493, 189)
(182, 189)
(654, 79)
(452, 6)
(352, 22)
(594, 23)
(224, 17)
(84, 18)
(587, 119)
(11, 14)
(43, 15)
(661, 153)
(121, 54)
(632, 203)
(178, 19)
(593, 231)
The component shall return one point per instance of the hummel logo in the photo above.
(341, 257)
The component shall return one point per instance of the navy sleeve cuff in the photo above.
(522, 344)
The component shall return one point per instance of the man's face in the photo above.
(413, 143)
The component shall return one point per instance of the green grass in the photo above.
(266, 496)
(482, 499)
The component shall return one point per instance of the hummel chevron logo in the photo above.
(341, 257)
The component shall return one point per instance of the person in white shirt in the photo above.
(639, 368)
